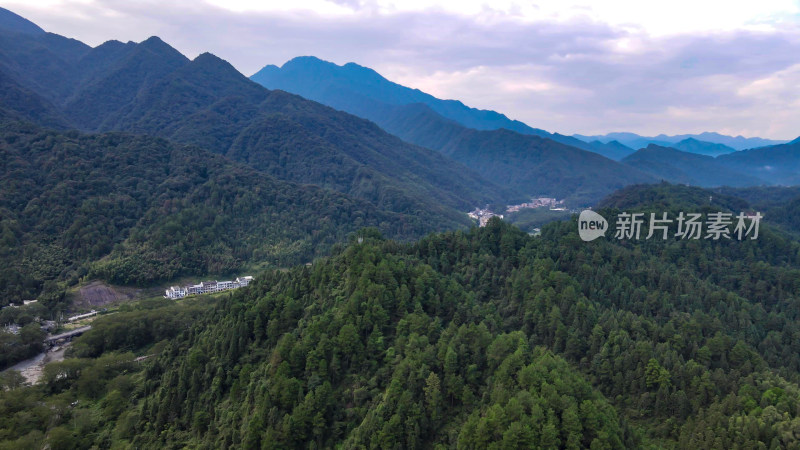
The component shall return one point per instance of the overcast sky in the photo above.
(571, 66)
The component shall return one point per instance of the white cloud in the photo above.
(656, 18)
(567, 66)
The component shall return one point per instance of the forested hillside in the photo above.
(151, 88)
(133, 209)
(683, 167)
(508, 153)
(779, 164)
(470, 340)
(132, 164)
(781, 205)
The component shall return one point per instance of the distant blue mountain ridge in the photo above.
(361, 90)
(636, 141)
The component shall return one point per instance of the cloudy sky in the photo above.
(571, 66)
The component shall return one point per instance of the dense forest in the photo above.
(151, 88)
(781, 205)
(487, 338)
(135, 210)
(362, 329)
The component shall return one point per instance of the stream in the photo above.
(32, 368)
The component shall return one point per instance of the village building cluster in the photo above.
(483, 216)
(206, 287)
(538, 202)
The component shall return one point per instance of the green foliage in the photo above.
(151, 88)
(134, 329)
(481, 339)
(17, 347)
(134, 210)
(432, 344)
(507, 152)
(530, 218)
(78, 403)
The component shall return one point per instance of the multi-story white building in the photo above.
(206, 287)
(176, 292)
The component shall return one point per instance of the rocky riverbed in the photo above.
(32, 368)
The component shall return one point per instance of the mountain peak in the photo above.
(306, 62)
(339, 86)
(153, 40)
(658, 148)
(154, 44)
(15, 23)
(211, 61)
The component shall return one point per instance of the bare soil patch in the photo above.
(98, 293)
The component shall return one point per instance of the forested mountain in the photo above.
(677, 166)
(781, 205)
(692, 145)
(19, 103)
(528, 160)
(537, 165)
(468, 340)
(130, 163)
(778, 164)
(151, 88)
(13, 22)
(362, 91)
(774, 165)
(133, 209)
(633, 140)
(529, 164)
(352, 86)
(611, 150)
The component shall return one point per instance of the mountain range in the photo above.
(529, 159)
(131, 164)
(441, 159)
(636, 141)
(772, 165)
(151, 88)
(363, 176)
(508, 152)
(681, 167)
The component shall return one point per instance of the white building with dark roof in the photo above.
(206, 287)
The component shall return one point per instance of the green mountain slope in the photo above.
(353, 85)
(470, 340)
(150, 88)
(688, 168)
(555, 165)
(362, 91)
(133, 209)
(13, 22)
(611, 150)
(19, 103)
(692, 145)
(780, 205)
(778, 164)
(633, 140)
